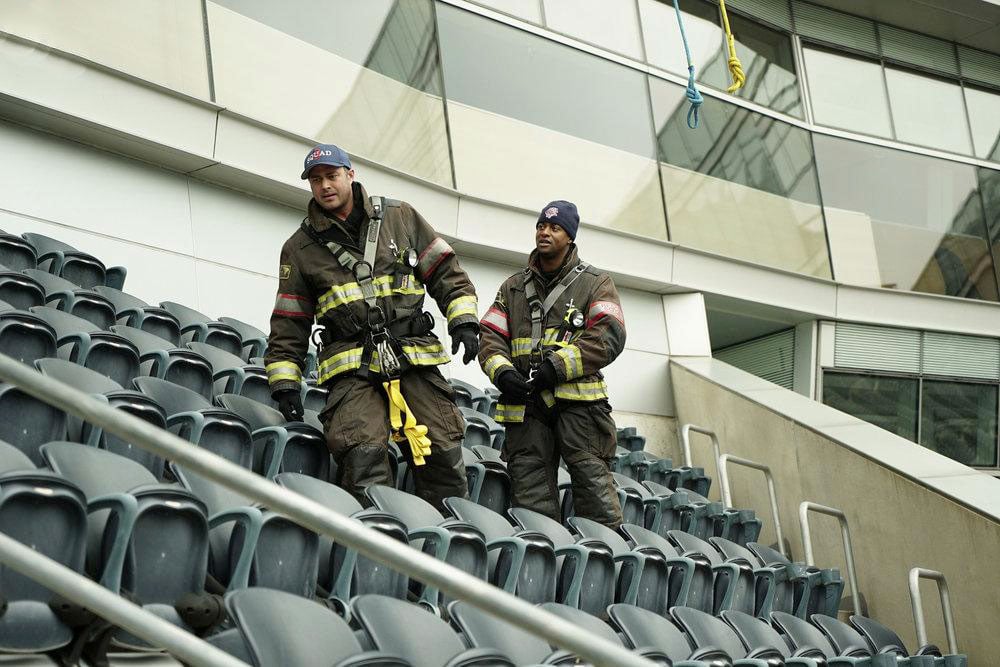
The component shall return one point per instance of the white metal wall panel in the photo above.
(961, 356)
(877, 348)
(770, 357)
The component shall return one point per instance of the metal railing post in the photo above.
(108, 605)
(727, 498)
(686, 431)
(318, 518)
(916, 574)
(845, 531)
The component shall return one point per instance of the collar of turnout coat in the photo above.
(571, 260)
(321, 222)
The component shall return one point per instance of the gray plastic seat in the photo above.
(25, 336)
(280, 446)
(254, 340)
(715, 641)
(29, 423)
(598, 628)
(276, 628)
(808, 640)
(454, 542)
(690, 580)
(64, 260)
(467, 395)
(251, 545)
(885, 642)
(495, 492)
(481, 630)
(628, 438)
(774, 585)
(43, 510)
(17, 253)
(201, 328)
(400, 628)
(734, 581)
(760, 639)
(585, 567)
(162, 359)
(631, 495)
(82, 342)
(314, 397)
(815, 590)
(67, 296)
(19, 290)
(13, 459)
(642, 628)
(134, 312)
(665, 510)
(233, 375)
(155, 547)
(479, 428)
(521, 562)
(343, 572)
(192, 417)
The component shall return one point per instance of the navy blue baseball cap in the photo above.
(562, 213)
(327, 154)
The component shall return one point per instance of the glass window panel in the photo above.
(612, 24)
(887, 402)
(529, 10)
(161, 42)
(664, 48)
(847, 92)
(370, 84)
(904, 221)
(984, 117)
(989, 187)
(767, 59)
(546, 121)
(959, 420)
(742, 185)
(927, 111)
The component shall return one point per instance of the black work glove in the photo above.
(513, 386)
(290, 404)
(468, 336)
(544, 377)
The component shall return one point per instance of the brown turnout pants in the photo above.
(583, 435)
(357, 432)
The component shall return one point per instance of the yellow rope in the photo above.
(408, 429)
(735, 66)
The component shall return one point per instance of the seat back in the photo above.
(594, 530)
(40, 509)
(135, 312)
(398, 627)
(756, 635)
(196, 326)
(467, 395)
(13, 459)
(162, 359)
(64, 260)
(846, 640)
(24, 336)
(172, 398)
(16, 253)
(482, 630)
(492, 525)
(141, 406)
(20, 290)
(476, 431)
(881, 638)
(105, 352)
(254, 340)
(803, 635)
(642, 628)
(540, 523)
(413, 511)
(84, 379)
(591, 624)
(706, 630)
(70, 297)
(29, 423)
(631, 495)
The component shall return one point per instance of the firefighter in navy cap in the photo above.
(360, 267)
(550, 331)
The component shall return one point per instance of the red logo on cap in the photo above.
(551, 212)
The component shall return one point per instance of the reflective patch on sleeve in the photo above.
(281, 371)
(571, 359)
(293, 305)
(463, 305)
(600, 309)
(495, 363)
(496, 320)
(432, 256)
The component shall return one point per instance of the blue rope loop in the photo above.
(692, 94)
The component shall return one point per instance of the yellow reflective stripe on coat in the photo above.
(509, 414)
(463, 305)
(349, 360)
(581, 391)
(283, 370)
(494, 364)
(404, 423)
(520, 347)
(338, 295)
(572, 360)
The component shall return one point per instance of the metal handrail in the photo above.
(916, 574)
(108, 605)
(845, 531)
(316, 517)
(686, 430)
(727, 498)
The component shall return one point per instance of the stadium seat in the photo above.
(84, 343)
(400, 628)
(233, 375)
(816, 591)
(25, 336)
(715, 641)
(162, 359)
(467, 395)
(495, 492)
(691, 580)
(885, 641)
(598, 628)
(642, 628)
(774, 585)
(146, 540)
(734, 581)
(201, 328)
(641, 579)
(454, 542)
(29, 423)
(481, 630)
(280, 446)
(275, 628)
(665, 510)
(344, 573)
(251, 545)
(134, 312)
(521, 562)
(254, 340)
(760, 639)
(16, 253)
(628, 438)
(492, 398)
(314, 397)
(632, 496)
(19, 290)
(13, 459)
(477, 431)
(48, 513)
(193, 418)
(64, 260)
(808, 640)
(585, 567)
(64, 295)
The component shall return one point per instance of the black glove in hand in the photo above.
(544, 377)
(290, 404)
(513, 386)
(468, 336)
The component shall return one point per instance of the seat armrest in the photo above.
(654, 654)
(480, 657)
(126, 508)
(709, 653)
(373, 659)
(560, 657)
